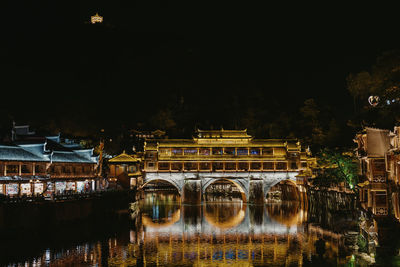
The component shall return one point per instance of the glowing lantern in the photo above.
(373, 100)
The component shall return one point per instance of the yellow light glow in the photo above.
(96, 18)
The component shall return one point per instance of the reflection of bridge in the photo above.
(253, 235)
(253, 185)
(238, 218)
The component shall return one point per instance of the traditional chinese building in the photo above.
(125, 170)
(224, 151)
(45, 165)
(225, 154)
(375, 148)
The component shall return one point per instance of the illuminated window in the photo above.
(229, 151)
(190, 151)
(204, 151)
(12, 169)
(132, 169)
(177, 151)
(242, 151)
(217, 151)
(11, 189)
(165, 151)
(254, 151)
(26, 189)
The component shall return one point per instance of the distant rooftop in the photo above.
(27, 146)
(222, 133)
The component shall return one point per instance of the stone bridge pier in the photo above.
(253, 186)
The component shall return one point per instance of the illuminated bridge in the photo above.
(252, 165)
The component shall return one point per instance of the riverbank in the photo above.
(24, 215)
(333, 210)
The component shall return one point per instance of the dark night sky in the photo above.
(55, 64)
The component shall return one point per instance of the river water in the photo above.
(166, 233)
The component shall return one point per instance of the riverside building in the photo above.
(378, 151)
(45, 165)
(224, 151)
(217, 156)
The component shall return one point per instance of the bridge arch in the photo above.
(287, 181)
(241, 188)
(172, 182)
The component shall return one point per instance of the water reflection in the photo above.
(235, 234)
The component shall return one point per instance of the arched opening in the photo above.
(160, 206)
(159, 193)
(224, 190)
(160, 185)
(285, 190)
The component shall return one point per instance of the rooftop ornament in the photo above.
(96, 19)
(373, 100)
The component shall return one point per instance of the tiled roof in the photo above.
(16, 153)
(37, 153)
(124, 158)
(66, 156)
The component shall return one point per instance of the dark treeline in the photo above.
(134, 73)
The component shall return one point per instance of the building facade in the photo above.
(125, 170)
(224, 151)
(45, 166)
(378, 153)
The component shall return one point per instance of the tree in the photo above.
(163, 120)
(383, 77)
(336, 167)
